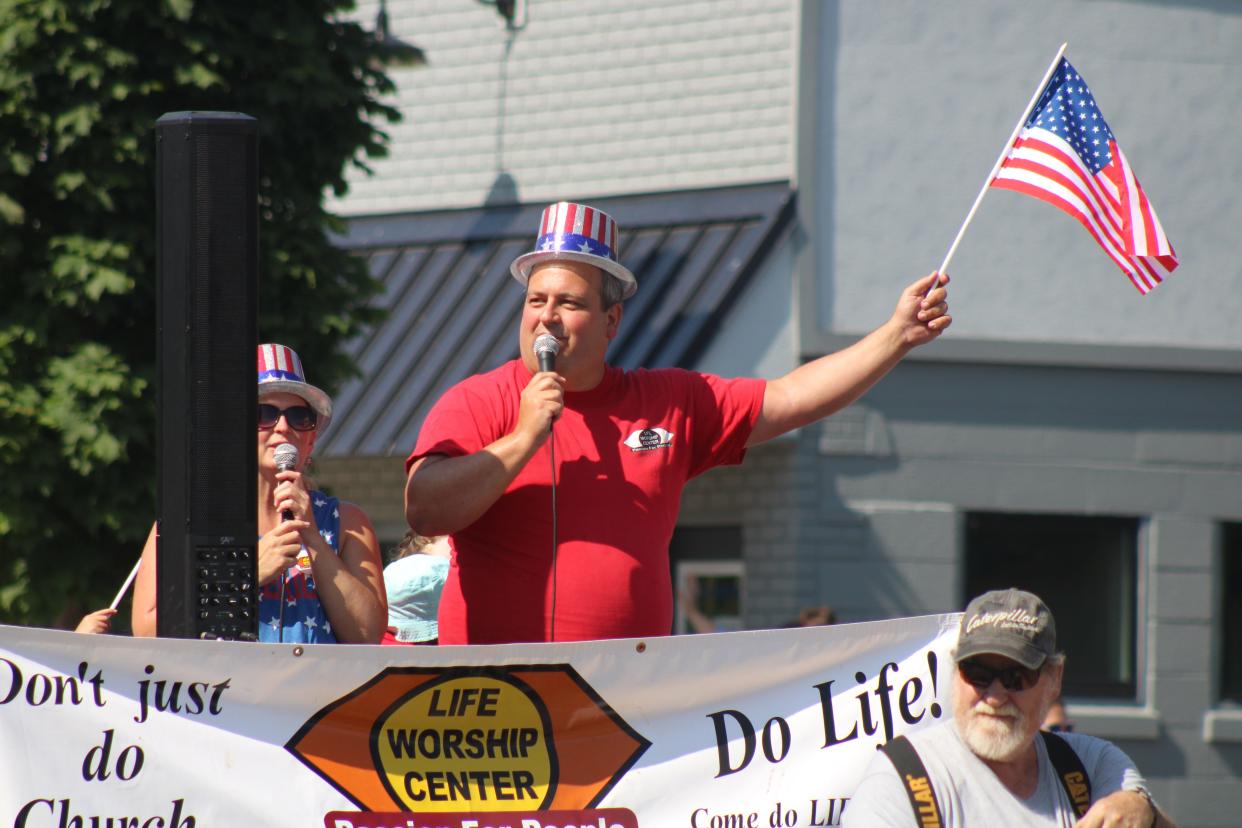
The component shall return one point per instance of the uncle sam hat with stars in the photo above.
(576, 233)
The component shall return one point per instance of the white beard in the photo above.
(992, 738)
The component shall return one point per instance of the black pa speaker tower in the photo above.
(208, 259)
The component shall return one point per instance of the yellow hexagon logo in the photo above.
(482, 740)
(470, 740)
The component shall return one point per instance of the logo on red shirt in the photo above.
(649, 439)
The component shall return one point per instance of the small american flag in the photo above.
(1067, 156)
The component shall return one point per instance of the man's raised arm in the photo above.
(824, 386)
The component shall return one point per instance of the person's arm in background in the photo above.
(1125, 808)
(1118, 788)
(824, 386)
(97, 622)
(688, 598)
(351, 584)
(142, 611)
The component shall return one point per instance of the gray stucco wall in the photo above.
(913, 103)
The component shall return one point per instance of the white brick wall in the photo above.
(592, 97)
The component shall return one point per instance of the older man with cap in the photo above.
(990, 764)
(589, 559)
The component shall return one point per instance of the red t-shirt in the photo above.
(624, 451)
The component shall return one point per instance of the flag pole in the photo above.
(1000, 160)
(121, 593)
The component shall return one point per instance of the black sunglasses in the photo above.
(1067, 727)
(1014, 679)
(299, 417)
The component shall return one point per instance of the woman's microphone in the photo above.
(286, 457)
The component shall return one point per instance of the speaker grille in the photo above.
(221, 346)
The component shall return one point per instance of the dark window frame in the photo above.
(1088, 569)
(1229, 659)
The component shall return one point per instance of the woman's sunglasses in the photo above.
(299, 417)
(1014, 679)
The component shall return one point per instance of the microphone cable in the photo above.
(546, 347)
(280, 631)
(284, 579)
(552, 462)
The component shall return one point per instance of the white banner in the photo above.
(763, 729)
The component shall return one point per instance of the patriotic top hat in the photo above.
(280, 370)
(577, 233)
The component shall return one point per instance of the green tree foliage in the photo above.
(82, 83)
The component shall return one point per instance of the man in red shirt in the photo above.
(623, 447)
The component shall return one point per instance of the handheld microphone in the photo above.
(546, 348)
(286, 457)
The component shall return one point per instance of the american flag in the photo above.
(1067, 156)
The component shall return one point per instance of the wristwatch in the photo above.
(1155, 811)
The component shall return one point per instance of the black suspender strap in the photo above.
(913, 775)
(1070, 771)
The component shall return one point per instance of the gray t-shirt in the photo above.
(969, 792)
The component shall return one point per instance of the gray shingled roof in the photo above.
(454, 309)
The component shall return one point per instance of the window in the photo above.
(1231, 614)
(709, 596)
(707, 578)
(1085, 569)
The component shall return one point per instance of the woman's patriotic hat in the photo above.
(280, 370)
(576, 233)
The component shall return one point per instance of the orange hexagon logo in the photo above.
(471, 739)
